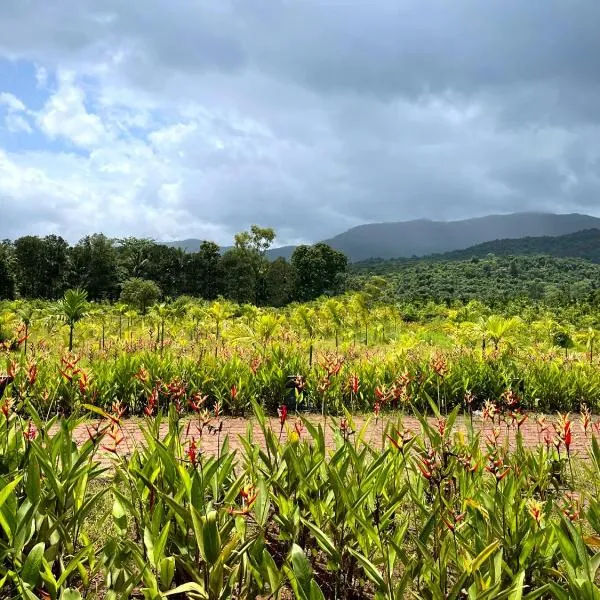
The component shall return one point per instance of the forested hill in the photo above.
(582, 244)
(492, 279)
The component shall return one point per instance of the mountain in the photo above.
(423, 237)
(581, 244)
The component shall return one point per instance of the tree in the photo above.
(95, 267)
(134, 256)
(71, 309)
(7, 278)
(139, 293)
(320, 270)
(280, 283)
(204, 272)
(334, 315)
(42, 266)
(251, 248)
(219, 312)
(26, 313)
(239, 282)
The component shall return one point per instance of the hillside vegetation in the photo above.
(491, 279)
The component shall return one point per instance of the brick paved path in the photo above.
(236, 427)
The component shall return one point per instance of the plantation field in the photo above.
(351, 353)
(344, 448)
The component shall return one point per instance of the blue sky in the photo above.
(193, 119)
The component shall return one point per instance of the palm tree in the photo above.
(266, 327)
(71, 309)
(334, 311)
(26, 313)
(498, 328)
(306, 318)
(219, 311)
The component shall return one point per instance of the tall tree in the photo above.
(7, 276)
(71, 309)
(42, 266)
(95, 267)
(320, 270)
(239, 282)
(280, 283)
(252, 247)
(204, 272)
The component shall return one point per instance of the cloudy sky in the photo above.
(190, 118)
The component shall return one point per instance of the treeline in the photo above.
(45, 267)
(494, 279)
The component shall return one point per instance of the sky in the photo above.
(187, 118)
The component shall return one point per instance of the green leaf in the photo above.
(30, 572)
(166, 570)
(70, 594)
(370, 569)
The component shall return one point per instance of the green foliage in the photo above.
(492, 279)
(139, 293)
(431, 512)
(320, 270)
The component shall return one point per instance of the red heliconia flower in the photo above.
(196, 401)
(563, 429)
(31, 432)
(249, 495)
(116, 437)
(5, 408)
(32, 372)
(454, 520)
(151, 403)
(381, 393)
(192, 452)
(535, 508)
(377, 408)
(234, 392)
(254, 365)
(68, 377)
(217, 409)
(425, 471)
(441, 427)
(118, 410)
(12, 369)
(571, 507)
(354, 384)
(282, 411)
(586, 418)
(299, 428)
(142, 375)
(83, 382)
(489, 410)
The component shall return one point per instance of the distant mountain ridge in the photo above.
(581, 244)
(425, 237)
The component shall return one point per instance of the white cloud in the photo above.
(11, 102)
(65, 116)
(17, 124)
(198, 119)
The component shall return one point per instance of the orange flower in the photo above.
(31, 432)
(535, 508)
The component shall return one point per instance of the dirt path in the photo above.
(236, 427)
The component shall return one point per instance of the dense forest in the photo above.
(140, 271)
(495, 279)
